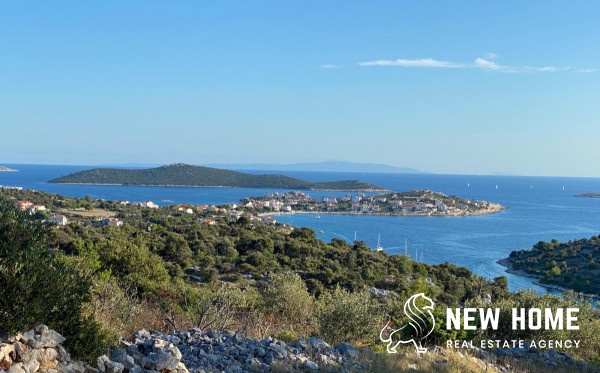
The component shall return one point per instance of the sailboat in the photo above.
(318, 216)
(468, 185)
(354, 236)
(563, 187)
(496, 186)
(379, 248)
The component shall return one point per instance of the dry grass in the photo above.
(95, 213)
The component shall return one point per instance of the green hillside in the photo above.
(197, 176)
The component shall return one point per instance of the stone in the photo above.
(16, 368)
(101, 363)
(31, 366)
(311, 365)
(347, 350)
(114, 367)
(317, 344)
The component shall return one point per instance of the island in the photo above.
(185, 175)
(6, 169)
(561, 265)
(588, 195)
(422, 202)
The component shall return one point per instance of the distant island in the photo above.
(197, 176)
(561, 265)
(328, 166)
(588, 195)
(413, 203)
(6, 169)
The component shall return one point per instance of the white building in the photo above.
(149, 204)
(58, 219)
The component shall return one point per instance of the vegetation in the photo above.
(165, 269)
(187, 175)
(571, 265)
(40, 287)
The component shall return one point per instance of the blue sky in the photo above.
(467, 87)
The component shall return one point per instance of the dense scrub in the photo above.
(572, 264)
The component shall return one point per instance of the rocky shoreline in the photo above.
(519, 272)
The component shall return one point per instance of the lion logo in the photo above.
(419, 327)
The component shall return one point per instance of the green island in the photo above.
(413, 203)
(197, 176)
(7, 169)
(562, 265)
(588, 195)
(116, 267)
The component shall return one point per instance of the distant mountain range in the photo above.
(197, 176)
(329, 166)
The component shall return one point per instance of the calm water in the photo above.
(541, 213)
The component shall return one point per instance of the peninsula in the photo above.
(197, 176)
(562, 265)
(413, 203)
(6, 169)
(588, 195)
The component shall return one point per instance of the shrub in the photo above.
(352, 317)
(37, 287)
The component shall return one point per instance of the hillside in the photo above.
(571, 265)
(197, 176)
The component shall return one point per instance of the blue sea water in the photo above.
(537, 209)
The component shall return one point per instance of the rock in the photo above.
(114, 367)
(317, 344)
(16, 368)
(412, 366)
(311, 365)
(31, 366)
(347, 350)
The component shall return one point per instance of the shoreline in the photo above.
(519, 272)
(357, 213)
(223, 186)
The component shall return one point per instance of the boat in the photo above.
(318, 216)
(379, 248)
(468, 185)
(496, 186)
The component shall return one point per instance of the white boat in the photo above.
(379, 248)
(496, 186)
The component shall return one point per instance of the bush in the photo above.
(37, 287)
(287, 299)
(348, 317)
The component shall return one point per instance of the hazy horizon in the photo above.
(465, 88)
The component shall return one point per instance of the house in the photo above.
(35, 208)
(330, 199)
(287, 208)
(375, 208)
(113, 222)
(208, 221)
(269, 220)
(58, 219)
(356, 206)
(149, 204)
(23, 205)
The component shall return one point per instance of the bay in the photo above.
(538, 208)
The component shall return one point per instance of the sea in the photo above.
(538, 208)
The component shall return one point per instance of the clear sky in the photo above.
(450, 87)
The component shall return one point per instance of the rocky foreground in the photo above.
(193, 351)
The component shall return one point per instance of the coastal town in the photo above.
(86, 211)
(414, 203)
